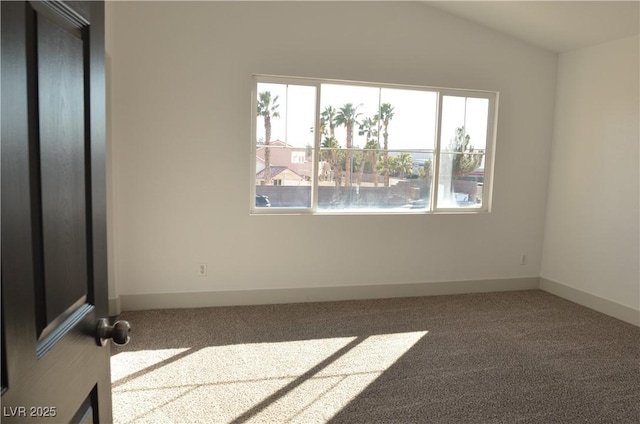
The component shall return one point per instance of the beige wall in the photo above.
(592, 226)
(180, 136)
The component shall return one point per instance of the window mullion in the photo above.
(435, 180)
(317, 135)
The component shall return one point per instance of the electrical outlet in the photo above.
(523, 259)
(202, 270)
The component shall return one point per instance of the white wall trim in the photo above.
(114, 307)
(133, 302)
(605, 306)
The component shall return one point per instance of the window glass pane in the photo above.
(453, 110)
(343, 109)
(477, 115)
(408, 118)
(355, 170)
(468, 112)
(300, 115)
(456, 189)
(408, 188)
(463, 144)
(342, 104)
(284, 145)
(291, 176)
(460, 180)
(272, 100)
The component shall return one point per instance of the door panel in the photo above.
(54, 285)
(62, 164)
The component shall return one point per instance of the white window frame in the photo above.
(489, 151)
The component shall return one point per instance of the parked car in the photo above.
(262, 201)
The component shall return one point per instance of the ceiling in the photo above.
(558, 26)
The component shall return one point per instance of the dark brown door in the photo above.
(54, 273)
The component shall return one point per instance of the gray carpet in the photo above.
(510, 357)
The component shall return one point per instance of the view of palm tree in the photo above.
(401, 165)
(385, 115)
(267, 108)
(328, 119)
(348, 116)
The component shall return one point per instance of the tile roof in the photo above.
(276, 170)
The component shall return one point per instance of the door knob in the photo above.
(118, 332)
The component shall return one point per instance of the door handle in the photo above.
(118, 332)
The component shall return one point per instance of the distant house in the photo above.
(281, 175)
(289, 165)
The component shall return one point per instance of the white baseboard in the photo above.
(134, 302)
(591, 301)
(114, 307)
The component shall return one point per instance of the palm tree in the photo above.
(267, 108)
(328, 140)
(385, 115)
(328, 119)
(369, 128)
(403, 165)
(347, 116)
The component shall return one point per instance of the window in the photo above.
(298, 157)
(350, 147)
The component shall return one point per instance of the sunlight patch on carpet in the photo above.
(331, 389)
(294, 381)
(125, 364)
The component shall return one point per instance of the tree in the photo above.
(460, 159)
(330, 148)
(385, 115)
(425, 171)
(328, 119)
(347, 115)
(369, 128)
(267, 108)
(466, 159)
(328, 142)
(401, 165)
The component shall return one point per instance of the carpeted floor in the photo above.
(510, 357)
